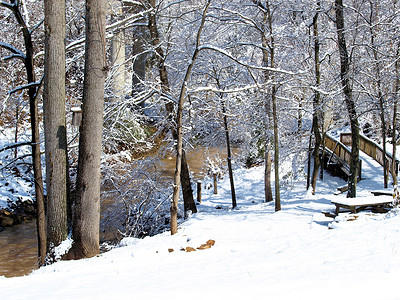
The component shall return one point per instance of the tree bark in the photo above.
(316, 102)
(348, 96)
(267, 118)
(54, 121)
(274, 111)
(267, 177)
(229, 158)
(276, 150)
(395, 117)
(187, 192)
(87, 202)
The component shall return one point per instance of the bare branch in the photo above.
(24, 87)
(12, 56)
(7, 5)
(15, 145)
(223, 91)
(223, 52)
(13, 50)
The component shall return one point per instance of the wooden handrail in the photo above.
(371, 148)
(337, 147)
(341, 151)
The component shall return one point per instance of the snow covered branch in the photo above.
(223, 91)
(120, 25)
(24, 87)
(15, 145)
(7, 5)
(16, 53)
(227, 54)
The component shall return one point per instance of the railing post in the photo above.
(199, 191)
(215, 183)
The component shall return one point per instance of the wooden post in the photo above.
(215, 183)
(76, 116)
(199, 191)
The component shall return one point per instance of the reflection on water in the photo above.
(18, 250)
(18, 244)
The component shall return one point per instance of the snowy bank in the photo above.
(258, 254)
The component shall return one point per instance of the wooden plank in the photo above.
(382, 193)
(329, 214)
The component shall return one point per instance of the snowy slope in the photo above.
(15, 183)
(258, 253)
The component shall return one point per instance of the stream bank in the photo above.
(16, 213)
(18, 243)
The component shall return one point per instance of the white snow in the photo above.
(12, 187)
(258, 253)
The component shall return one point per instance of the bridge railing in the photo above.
(341, 151)
(371, 148)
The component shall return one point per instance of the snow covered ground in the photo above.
(296, 253)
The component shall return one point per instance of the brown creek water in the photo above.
(18, 244)
(18, 249)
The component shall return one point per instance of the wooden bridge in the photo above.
(337, 154)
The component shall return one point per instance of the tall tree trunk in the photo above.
(276, 150)
(274, 111)
(316, 102)
(267, 116)
(188, 199)
(228, 143)
(117, 52)
(348, 96)
(395, 117)
(87, 202)
(37, 173)
(187, 191)
(16, 129)
(267, 176)
(54, 121)
(229, 158)
(139, 36)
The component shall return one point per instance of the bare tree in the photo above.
(316, 102)
(348, 96)
(87, 201)
(395, 116)
(54, 121)
(189, 204)
(174, 203)
(272, 48)
(228, 142)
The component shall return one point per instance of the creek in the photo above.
(18, 244)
